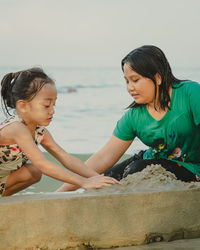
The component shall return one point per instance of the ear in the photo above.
(21, 106)
(158, 78)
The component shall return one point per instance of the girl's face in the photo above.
(40, 109)
(142, 89)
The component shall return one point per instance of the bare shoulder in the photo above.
(10, 131)
(16, 126)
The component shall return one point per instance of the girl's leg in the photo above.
(21, 179)
(117, 170)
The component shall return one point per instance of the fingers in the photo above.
(98, 186)
(197, 178)
(99, 181)
(113, 180)
(108, 179)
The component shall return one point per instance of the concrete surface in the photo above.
(192, 244)
(61, 221)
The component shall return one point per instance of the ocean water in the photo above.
(84, 119)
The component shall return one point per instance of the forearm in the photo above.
(72, 163)
(96, 164)
(100, 163)
(77, 166)
(55, 171)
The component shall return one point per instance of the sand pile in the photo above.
(153, 178)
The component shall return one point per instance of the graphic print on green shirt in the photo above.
(176, 136)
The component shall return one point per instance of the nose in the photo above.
(130, 86)
(52, 110)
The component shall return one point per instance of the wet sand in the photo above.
(153, 178)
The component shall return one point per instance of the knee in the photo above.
(36, 175)
(134, 167)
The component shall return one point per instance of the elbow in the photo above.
(41, 165)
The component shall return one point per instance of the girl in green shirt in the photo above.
(165, 115)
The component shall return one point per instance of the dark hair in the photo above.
(147, 61)
(22, 85)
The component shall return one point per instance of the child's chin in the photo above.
(44, 124)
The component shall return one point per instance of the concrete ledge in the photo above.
(61, 221)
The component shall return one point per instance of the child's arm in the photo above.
(22, 136)
(103, 159)
(67, 160)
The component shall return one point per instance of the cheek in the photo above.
(37, 109)
(127, 88)
(150, 90)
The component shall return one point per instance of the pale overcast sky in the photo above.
(97, 32)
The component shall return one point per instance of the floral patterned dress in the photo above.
(11, 156)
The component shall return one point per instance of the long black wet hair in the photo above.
(147, 61)
(22, 85)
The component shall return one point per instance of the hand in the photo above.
(99, 181)
(197, 178)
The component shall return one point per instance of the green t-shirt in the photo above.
(176, 136)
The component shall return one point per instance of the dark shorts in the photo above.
(136, 164)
